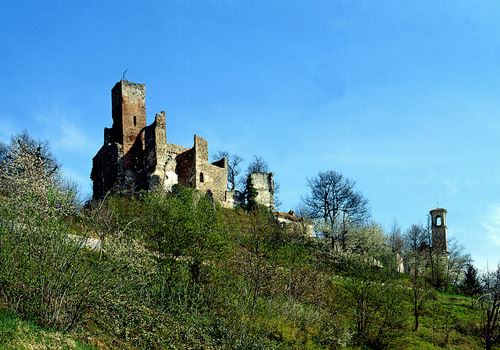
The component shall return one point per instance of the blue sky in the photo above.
(401, 96)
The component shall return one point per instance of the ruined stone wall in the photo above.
(214, 180)
(233, 199)
(210, 177)
(185, 168)
(156, 151)
(170, 165)
(175, 149)
(107, 169)
(150, 149)
(263, 184)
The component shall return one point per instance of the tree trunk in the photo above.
(415, 305)
(416, 319)
(487, 331)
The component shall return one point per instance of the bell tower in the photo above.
(439, 229)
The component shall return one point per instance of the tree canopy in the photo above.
(336, 205)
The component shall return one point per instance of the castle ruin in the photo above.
(136, 156)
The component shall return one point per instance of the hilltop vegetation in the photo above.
(176, 271)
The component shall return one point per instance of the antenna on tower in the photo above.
(123, 75)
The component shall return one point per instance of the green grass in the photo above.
(313, 315)
(16, 334)
(447, 322)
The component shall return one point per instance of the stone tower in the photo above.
(438, 228)
(263, 187)
(119, 164)
(128, 101)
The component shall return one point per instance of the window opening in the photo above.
(439, 220)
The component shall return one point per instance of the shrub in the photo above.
(43, 273)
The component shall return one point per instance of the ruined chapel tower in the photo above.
(439, 229)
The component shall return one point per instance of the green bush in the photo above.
(44, 274)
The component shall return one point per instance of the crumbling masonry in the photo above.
(137, 157)
(263, 185)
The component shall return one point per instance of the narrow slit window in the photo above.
(202, 177)
(135, 120)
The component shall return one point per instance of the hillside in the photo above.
(230, 279)
(175, 270)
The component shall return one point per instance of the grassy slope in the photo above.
(439, 323)
(438, 332)
(16, 334)
(453, 312)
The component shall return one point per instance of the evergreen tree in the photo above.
(471, 285)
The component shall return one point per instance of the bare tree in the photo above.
(416, 244)
(258, 165)
(334, 201)
(436, 258)
(432, 254)
(457, 263)
(233, 168)
(396, 239)
(396, 243)
(490, 305)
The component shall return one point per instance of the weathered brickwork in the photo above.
(129, 120)
(137, 157)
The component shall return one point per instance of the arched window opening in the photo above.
(439, 221)
(202, 177)
(135, 120)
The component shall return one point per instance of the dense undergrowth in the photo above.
(16, 334)
(177, 272)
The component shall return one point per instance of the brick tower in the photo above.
(129, 120)
(439, 229)
(119, 165)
